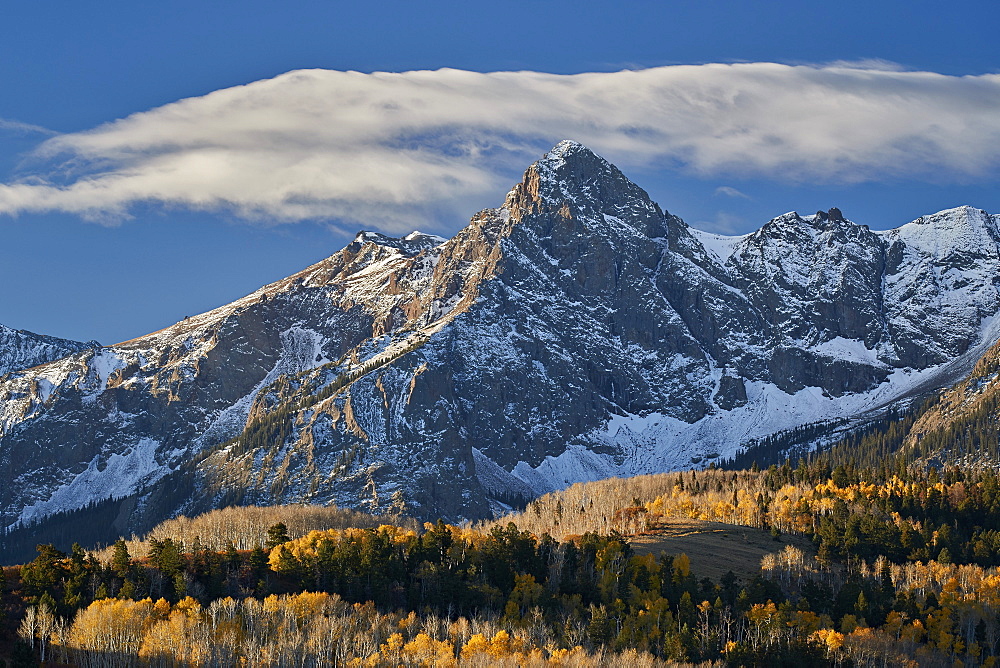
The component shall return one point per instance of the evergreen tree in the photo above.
(121, 560)
(276, 535)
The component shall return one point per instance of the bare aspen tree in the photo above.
(46, 625)
(28, 630)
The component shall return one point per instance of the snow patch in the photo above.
(575, 464)
(718, 245)
(301, 350)
(104, 362)
(495, 479)
(655, 442)
(848, 350)
(121, 475)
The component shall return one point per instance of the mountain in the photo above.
(21, 349)
(959, 426)
(578, 331)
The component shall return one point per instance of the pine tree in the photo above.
(276, 535)
(121, 560)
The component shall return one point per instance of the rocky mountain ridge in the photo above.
(21, 349)
(578, 331)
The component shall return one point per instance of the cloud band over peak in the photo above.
(392, 149)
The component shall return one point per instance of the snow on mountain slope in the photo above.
(20, 349)
(720, 245)
(575, 332)
(940, 281)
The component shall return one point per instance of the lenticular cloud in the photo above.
(389, 149)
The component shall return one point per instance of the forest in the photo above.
(902, 570)
(877, 558)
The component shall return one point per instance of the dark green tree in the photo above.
(121, 560)
(276, 535)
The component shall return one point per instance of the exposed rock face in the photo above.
(576, 332)
(20, 349)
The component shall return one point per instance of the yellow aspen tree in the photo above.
(110, 625)
(476, 645)
(426, 651)
(503, 645)
(830, 639)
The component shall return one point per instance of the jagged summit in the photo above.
(565, 148)
(571, 172)
(833, 214)
(411, 244)
(577, 331)
(568, 153)
(578, 185)
(418, 235)
(821, 221)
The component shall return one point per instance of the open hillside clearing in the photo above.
(715, 548)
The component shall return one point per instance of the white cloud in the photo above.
(10, 125)
(392, 149)
(867, 64)
(729, 191)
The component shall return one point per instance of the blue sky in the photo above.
(138, 251)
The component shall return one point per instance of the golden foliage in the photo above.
(112, 625)
(246, 526)
(307, 628)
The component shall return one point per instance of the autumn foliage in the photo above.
(903, 572)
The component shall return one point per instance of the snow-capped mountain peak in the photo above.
(575, 332)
